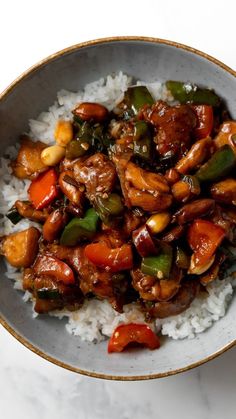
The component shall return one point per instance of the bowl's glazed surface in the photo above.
(145, 59)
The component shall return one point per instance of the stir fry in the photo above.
(133, 205)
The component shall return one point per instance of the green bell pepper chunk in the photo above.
(136, 97)
(48, 294)
(109, 208)
(219, 165)
(142, 140)
(76, 148)
(160, 265)
(189, 93)
(13, 215)
(79, 229)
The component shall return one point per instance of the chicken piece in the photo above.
(20, 249)
(144, 180)
(27, 210)
(149, 202)
(97, 173)
(195, 156)
(224, 191)
(153, 289)
(149, 191)
(56, 295)
(92, 279)
(174, 127)
(180, 302)
(28, 163)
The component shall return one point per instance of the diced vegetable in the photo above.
(204, 237)
(79, 229)
(160, 265)
(13, 215)
(132, 333)
(219, 165)
(109, 208)
(20, 249)
(136, 97)
(143, 242)
(205, 120)
(117, 259)
(189, 93)
(77, 148)
(48, 293)
(43, 190)
(142, 140)
(158, 222)
(55, 268)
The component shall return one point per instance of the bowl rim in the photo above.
(3, 95)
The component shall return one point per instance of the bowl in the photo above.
(145, 59)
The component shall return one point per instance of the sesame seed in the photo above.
(105, 195)
(160, 275)
(144, 148)
(85, 146)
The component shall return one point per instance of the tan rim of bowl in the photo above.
(31, 70)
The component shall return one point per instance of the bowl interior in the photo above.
(145, 60)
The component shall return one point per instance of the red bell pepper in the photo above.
(132, 333)
(204, 237)
(102, 255)
(43, 190)
(55, 268)
(205, 120)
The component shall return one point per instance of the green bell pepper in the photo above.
(13, 215)
(79, 229)
(136, 97)
(189, 93)
(220, 164)
(142, 140)
(109, 208)
(160, 265)
(48, 293)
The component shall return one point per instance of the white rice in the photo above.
(97, 319)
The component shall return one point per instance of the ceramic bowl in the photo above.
(145, 59)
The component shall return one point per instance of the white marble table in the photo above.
(29, 386)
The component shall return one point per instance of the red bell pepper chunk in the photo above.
(117, 259)
(132, 332)
(205, 120)
(204, 237)
(43, 190)
(55, 268)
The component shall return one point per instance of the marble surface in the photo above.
(30, 387)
